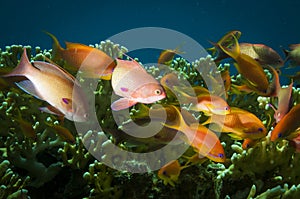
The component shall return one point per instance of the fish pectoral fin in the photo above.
(28, 87)
(51, 110)
(122, 103)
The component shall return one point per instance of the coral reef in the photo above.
(39, 160)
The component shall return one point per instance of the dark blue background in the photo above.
(275, 23)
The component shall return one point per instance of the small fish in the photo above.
(170, 172)
(293, 55)
(284, 102)
(263, 54)
(92, 62)
(287, 125)
(250, 69)
(166, 56)
(247, 143)
(132, 82)
(25, 126)
(204, 141)
(239, 123)
(227, 40)
(205, 102)
(62, 132)
(225, 74)
(50, 83)
(295, 77)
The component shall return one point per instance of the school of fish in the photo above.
(54, 84)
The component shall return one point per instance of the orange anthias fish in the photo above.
(132, 82)
(287, 125)
(170, 172)
(92, 62)
(50, 83)
(167, 56)
(204, 141)
(293, 55)
(227, 40)
(239, 123)
(283, 95)
(250, 69)
(263, 54)
(204, 101)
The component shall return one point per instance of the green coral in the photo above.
(11, 184)
(31, 166)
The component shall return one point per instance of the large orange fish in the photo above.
(204, 141)
(132, 82)
(92, 62)
(287, 125)
(50, 83)
(239, 123)
(250, 69)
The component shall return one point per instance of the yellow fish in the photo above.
(198, 96)
(52, 84)
(250, 69)
(167, 56)
(170, 172)
(227, 40)
(92, 62)
(204, 141)
(239, 123)
(132, 82)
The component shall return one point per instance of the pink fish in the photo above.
(283, 95)
(131, 81)
(52, 84)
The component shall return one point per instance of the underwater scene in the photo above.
(165, 100)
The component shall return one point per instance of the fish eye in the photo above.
(226, 108)
(221, 155)
(260, 129)
(279, 135)
(157, 92)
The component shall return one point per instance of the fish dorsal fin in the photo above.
(70, 45)
(28, 87)
(53, 69)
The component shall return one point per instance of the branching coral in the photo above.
(268, 170)
(12, 185)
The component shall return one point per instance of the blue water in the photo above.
(274, 23)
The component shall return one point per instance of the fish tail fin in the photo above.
(233, 52)
(56, 47)
(23, 67)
